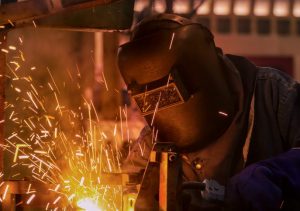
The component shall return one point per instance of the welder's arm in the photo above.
(265, 185)
(139, 153)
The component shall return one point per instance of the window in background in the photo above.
(296, 8)
(160, 6)
(244, 25)
(222, 7)
(283, 26)
(262, 7)
(204, 9)
(242, 7)
(181, 6)
(263, 26)
(281, 8)
(140, 5)
(223, 25)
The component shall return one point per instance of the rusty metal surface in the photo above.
(33, 9)
(118, 15)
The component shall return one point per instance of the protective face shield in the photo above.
(172, 71)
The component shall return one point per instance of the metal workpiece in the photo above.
(162, 180)
(123, 179)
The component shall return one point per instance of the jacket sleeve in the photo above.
(139, 152)
(266, 185)
(273, 183)
(289, 113)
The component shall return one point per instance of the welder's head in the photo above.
(173, 72)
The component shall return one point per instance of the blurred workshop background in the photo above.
(81, 63)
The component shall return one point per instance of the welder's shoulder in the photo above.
(276, 76)
(280, 93)
(139, 152)
(278, 82)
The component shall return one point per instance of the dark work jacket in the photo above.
(276, 125)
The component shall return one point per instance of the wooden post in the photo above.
(2, 92)
(109, 97)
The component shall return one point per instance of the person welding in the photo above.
(234, 123)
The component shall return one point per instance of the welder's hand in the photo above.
(253, 189)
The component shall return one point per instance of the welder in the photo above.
(234, 123)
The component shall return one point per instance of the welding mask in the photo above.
(172, 71)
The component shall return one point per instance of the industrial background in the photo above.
(58, 60)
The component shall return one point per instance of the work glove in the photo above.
(268, 185)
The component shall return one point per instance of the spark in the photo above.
(57, 187)
(23, 157)
(15, 175)
(53, 80)
(40, 152)
(22, 55)
(28, 189)
(169, 77)
(81, 181)
(34, 89)
(104, 135)
(21, 202)
(18, 146)
(48, 142)
(103, 76)
(50, 87)
(79, 154)
(58, 106)
(155, 110)
(4, 50)
(78, 71)
(30, 199)
(47, 206)
(57, 199)
(20, 40)
(18, 90)
(31, 98)
(11, 23)
(34, 24)
(223, 113)
(11, 115)
(11, 47)
(5, 192)
(121, 122)
(171, 42)
(71, 197)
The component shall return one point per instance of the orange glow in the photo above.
(296, 8)
(281, 8)
(88, 204)
(241, 7)
(181, 6)
(222, 7)
(160, 6)
(204, 9)
(140, 5)
(262, 8)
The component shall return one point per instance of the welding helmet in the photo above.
(173, 72)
